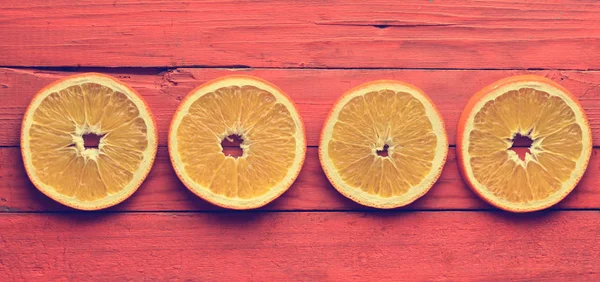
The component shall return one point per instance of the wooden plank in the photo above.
(314, 91)
(324, 34)
(425, 246)
(163, 191)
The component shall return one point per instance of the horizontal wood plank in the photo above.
(162, 190)
(314, 91)
(422, 246)
(323, 34)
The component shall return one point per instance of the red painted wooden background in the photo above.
(313, 50)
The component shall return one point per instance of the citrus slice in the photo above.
(383, 144)
(260, 114)
(536, 108)
(60, 163)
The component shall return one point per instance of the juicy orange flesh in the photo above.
(366, 124)
(266, 127)
(56, 144)
(557, 144)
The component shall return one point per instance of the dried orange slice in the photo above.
(534, 107)
(60, 163)
(384, 144)
(273, 142)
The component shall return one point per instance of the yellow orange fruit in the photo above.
(263, 116)
(52, 141)
(534, 107)
(371, 118)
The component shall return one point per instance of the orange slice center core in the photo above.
(384, 151)
(91, 141)
(232, 146)
(521, 145)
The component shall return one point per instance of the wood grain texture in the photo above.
(421, 246)
(315, 51)
(162, 190)
(323, 34)
(313, 91)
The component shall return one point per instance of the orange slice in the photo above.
(534, 107)
(383, 144)
(273, 145)
(54, 152)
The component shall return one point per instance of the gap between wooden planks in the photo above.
(162, 190)
(313, 90)
(325, 34)
(419, 246)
